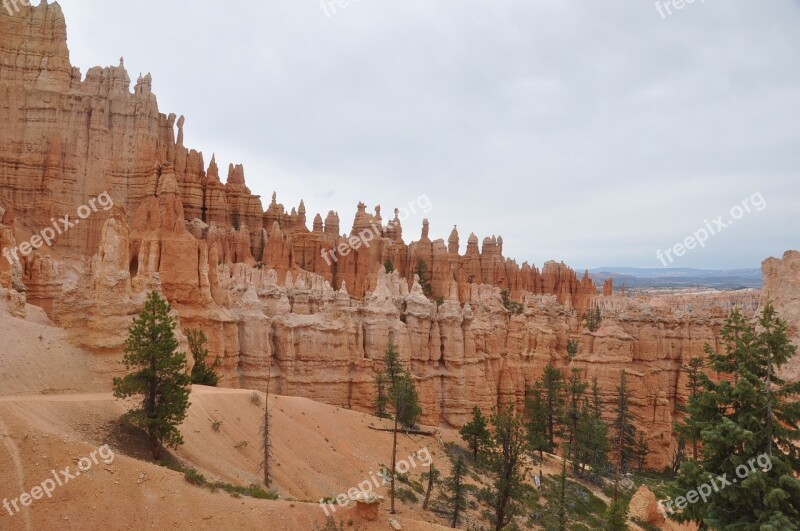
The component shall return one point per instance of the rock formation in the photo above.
(313, 309)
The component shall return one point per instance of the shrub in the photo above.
(255, 399)
(194, 477)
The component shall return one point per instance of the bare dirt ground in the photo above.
(319, 451)
(49, 419)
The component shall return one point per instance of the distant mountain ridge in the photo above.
(665, 277)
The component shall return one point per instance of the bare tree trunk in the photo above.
(394, 459)
(619, 467)
(155, 446)
(267, 444)
(769, 400)
(430, 488)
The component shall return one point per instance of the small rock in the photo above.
(395, 524)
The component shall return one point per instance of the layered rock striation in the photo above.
(308, 309)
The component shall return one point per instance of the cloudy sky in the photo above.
(590, 132)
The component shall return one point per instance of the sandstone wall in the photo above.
(257, 282)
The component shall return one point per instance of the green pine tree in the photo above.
(624, 432)
(576, 390)
(562, 494)
(642, 449)
(552, 384)
(593, 318)
(392, 362)
(536, 422)
(693, 370)
(455, 490)
(746, 418)
(382, 399)
(407, 411)
(475, 433)
(507, 463)
(595, 440)
(160, 379)
(202, 374)
(617, 516)
(422, 272)
(572, 347)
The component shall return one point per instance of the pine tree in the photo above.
(433, 477)
(692, 369)
(536, 422)
(388, 266)
(642, 449)
(392, 361)
(507, 463)
(596, 439)
(572, 347)
(455, 490)
(623, 431)
(381, 400)
(422, 272)
(576, 390)
(746, 416)
(407, 411)
(554, 391)
(562, 495)
(475, 433)
(161, 380)
(202, 374)
(617, 516)
(593, 318)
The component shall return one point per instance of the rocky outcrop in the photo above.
(309, 311)
(782, 288)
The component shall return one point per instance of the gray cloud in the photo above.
(594, 133)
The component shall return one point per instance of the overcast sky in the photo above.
(590, 132)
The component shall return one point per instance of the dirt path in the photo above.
(17, 468)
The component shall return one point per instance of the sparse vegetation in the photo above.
(406, 495)
(572, 347)
(216, 425)
(252, 491)
(512, 306)
(593, 318)
(255, 399)
(424, 281)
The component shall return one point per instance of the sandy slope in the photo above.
(49, 418)
(319, 451)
